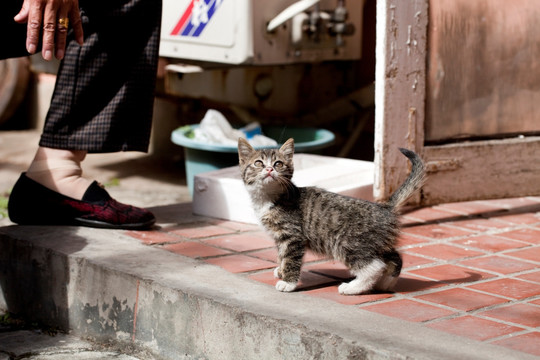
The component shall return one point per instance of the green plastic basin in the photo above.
(202, 157)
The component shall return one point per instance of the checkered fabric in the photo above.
(104, 92)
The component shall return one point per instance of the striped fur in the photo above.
(360, 234)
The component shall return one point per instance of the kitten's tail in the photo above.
(412, 183)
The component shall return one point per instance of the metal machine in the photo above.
(272, 61)
(262, 32)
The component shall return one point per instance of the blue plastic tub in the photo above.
(203, 157)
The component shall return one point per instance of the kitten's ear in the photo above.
(287, 149)
(244, 150)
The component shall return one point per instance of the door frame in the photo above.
(456, 172)
(400, 85)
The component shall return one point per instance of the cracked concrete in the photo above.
(36, 345)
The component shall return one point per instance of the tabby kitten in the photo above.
(359, 233)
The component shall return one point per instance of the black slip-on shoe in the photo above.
(31, 203)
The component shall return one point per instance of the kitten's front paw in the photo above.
(352, 288)
(277, 273)
(344, 289)
(285, 286)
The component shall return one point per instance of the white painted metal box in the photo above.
(238, 32)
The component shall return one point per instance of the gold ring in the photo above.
(64, 22)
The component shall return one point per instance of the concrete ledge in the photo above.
(104, 285)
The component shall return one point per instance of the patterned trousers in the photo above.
(104, 92)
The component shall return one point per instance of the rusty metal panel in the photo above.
(483, 69)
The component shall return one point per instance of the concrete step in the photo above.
(108, 286)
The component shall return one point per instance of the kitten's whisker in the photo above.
(286, 185)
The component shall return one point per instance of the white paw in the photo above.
(276, 273)
(285, 286)
(344, 289)
(352, 288)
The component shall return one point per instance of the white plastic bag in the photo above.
(215, 129)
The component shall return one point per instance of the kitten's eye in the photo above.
(278, 164)
(259, 163)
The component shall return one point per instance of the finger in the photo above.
(22, 16)
(49, 31)
(76, 23)
(35, 17)
(61, 35)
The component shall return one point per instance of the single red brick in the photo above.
(194, 249)
(470, 207)
(153, 237)
(435, 231)
(310, 256)
(519, 314)
(200, 230)
(243, 242)
(491, 243)
(451, 274)
(408, 240)
(527, 343)
(430, 214)
(332, 293)
(512, 203)
(240, 263)
(531, 236)
(462, 299)
(535, 302)
(511, 288)
(530, 253)
(409, 284)
(409, 310)
(271, 255)
(444, 252)
(498, 264)
(267, 254)
(408, 221)
(534, 276)
(411, 261)
(480, 224)
(330, 268)
(236, 226)
(527, 218)
(474, 328)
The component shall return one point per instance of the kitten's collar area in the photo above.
(266, 190)
(272, 183)
(260, 197)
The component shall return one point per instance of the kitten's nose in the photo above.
(269, 169)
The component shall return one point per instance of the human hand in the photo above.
(47, 13)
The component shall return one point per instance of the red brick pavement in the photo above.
(471, 268)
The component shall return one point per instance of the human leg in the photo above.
(102, 103)
(60, 170)
(104, 93)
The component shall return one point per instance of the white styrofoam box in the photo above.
(235, 32)
(221, 193)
